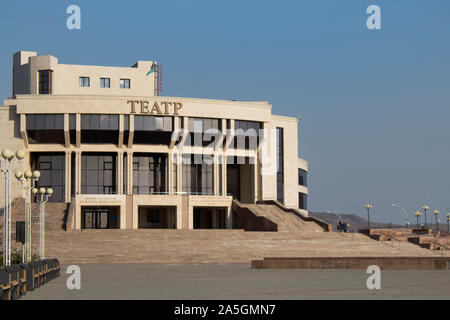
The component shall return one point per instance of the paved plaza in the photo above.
(238, 281)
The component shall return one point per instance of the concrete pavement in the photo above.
(238, 281)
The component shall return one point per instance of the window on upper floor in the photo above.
(45, 81)
(203, 132)
(302, 201)
(246, 135)
(125, 83)
(99, 128)
(85, 82)
(302, 177)
(104, 82)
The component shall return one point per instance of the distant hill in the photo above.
(356, 222)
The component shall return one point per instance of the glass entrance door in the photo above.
(96, 219)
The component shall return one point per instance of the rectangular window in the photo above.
(280, 165)
(302, 201)
(98, 173)
(52, 168)
(85, 82)
(149, 173)
(198, 176)
(45, 77)
(174, 172)
(125, 83)
(104, 83)
(246, 135)
(302, 175)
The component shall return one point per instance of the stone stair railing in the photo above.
(325, 226)
(70, 219)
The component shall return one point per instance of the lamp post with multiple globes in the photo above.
(436, 213)
(42, 198)
(417, 214)
(368, 207)
(425, 208)
(447, 217)
(28, 180)
(10, 162)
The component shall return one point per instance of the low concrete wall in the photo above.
(388, 263)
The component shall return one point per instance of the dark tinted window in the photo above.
(198, 176)
(52, 168)
(45, 128)
(45, 77)
(302, 201)
(280, 165)
(302, 177)
(99, 128)
(98, 173)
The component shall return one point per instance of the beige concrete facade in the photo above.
(258, 181)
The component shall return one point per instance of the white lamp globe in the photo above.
(50, 191)
(7, 154)
(28, 174)
(34, 190)
(36, 174)
(42, 190)
(18, 175)
(20, 154)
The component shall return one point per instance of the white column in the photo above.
(130, 173)
(120, 172)
(78, 172)
(229, 219)
(179, 214)
(191, 217)
(170, 173)
(68, 176)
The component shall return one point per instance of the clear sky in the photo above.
(374, 103)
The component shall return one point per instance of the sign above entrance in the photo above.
(159, 108)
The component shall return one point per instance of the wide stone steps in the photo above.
(54, 215)
(210, 246)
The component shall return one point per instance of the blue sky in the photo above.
(374, 104)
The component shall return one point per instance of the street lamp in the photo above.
(436, 212)
(447, 217)
(368, 207)
(7, 168)
(425, 208)
(28, 180)
(404, 211)
(417, 214)
(42, 198)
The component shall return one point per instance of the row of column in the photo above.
(129, 176)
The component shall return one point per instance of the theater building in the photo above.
(122, 156)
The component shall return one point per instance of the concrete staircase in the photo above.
(419, 237)
(286, 222)
(212, 246)
(55, 215)
(273, 216)
(431, 242)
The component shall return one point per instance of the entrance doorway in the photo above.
(209, 218)
(241, 179)
(100, 218)
(157, 217)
